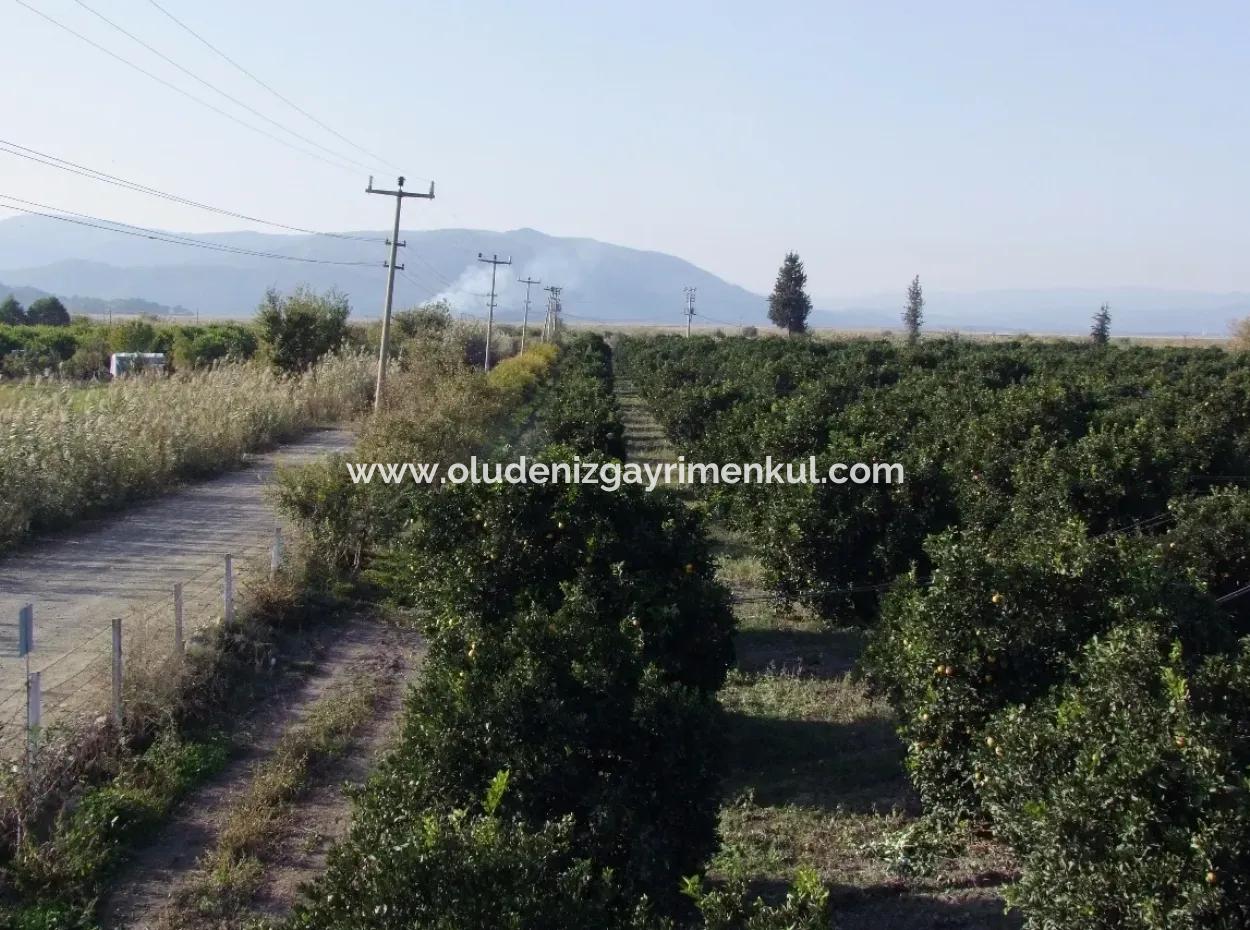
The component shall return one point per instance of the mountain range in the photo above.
(218, 277)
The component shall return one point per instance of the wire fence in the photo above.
(87, 678)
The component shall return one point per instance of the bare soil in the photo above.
(148, 886)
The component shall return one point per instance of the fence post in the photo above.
(179, 646)
(228, 592)
(25, 631)
(117, 671)
(275, 554)
(34, 716)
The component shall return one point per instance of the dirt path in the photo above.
(125, 565)
(147, 889)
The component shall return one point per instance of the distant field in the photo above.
(77, 392)
(835, 334)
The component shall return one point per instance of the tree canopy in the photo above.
(298, 329)
(47, 311)
(789, 305)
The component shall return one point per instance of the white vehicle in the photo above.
(127, 363)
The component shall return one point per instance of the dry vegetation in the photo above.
(65, 452)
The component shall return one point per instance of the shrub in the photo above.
(496, 549)
(133, 336)
(999, 625)
(1125, 792)
(297, 330)
(806, 906)
(472, 869)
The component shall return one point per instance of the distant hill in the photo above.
(95, 306)
(601, 281)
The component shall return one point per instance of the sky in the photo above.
(979, 145)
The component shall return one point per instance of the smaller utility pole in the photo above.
(399, 194)
(525, 324)
(689, 292)
(495, 261)
(553, 310)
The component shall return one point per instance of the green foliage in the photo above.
(576, 640)
(579, 409)
(806, 906)
(11, 312)
(47, 311)
(58, 881)
(298, 329)
(1022, 431)
(999, 625)
(1126, 793)
(467, 869)
(789, 305)
(133, 336)
(199, 347)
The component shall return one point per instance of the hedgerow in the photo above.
(576, 641)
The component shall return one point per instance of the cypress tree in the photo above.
(789, 305)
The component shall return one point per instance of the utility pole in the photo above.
(495, 261)
(526, 319)
(553, 310)
(689, 292)
(399, 194)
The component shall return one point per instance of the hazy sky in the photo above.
(981, 145)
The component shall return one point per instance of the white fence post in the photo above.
(275, 554)
(117, 670)
(34, 715)
(179, 646)
(228, 592)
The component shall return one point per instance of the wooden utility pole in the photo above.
(494, 261)
(553, 310)
(399, 194)
(525, 324)
(689, 292)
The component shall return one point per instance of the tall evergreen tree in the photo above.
(1101, 330)
(11, 312)
(47, 311)
(913, 315)
(789, 305)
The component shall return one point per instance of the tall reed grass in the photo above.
(66, 452)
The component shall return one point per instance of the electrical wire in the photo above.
(95, 222)
(217, 90)
(290, 103)
(21, 151)
(190, 96)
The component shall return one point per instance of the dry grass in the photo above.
(233, 870)
(66, 452)
(817, 779)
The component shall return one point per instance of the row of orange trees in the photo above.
(560, 757)
(1052, 593)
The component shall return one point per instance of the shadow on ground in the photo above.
(855, 766)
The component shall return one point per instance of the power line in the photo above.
(290, 103)
(213, 87)
(174, 87)
(142, 232)
(83, 171)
